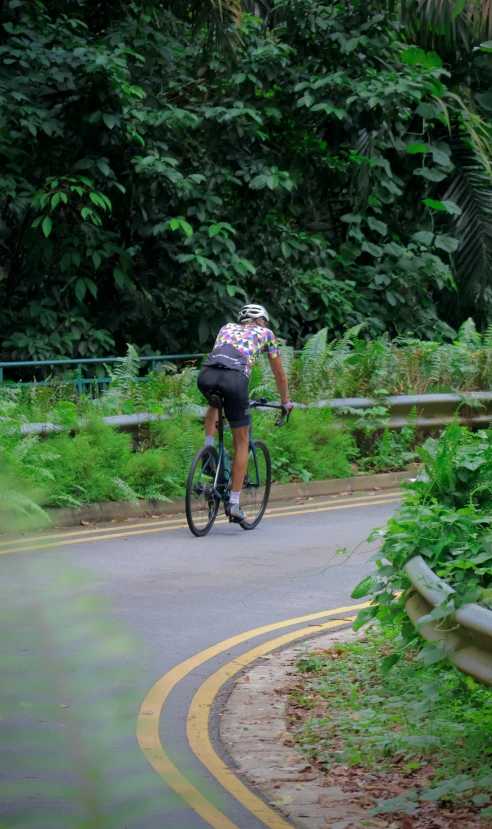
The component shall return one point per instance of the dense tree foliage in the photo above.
(161, 163)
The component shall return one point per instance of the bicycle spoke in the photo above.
(201, 499)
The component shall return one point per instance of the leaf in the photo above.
(119, 277)
(351, 44)
(447, 243)
(374, 250)
(96, 258)
(481, 799)
(364, 587)
(47, 226)
(379, 227)
(91, 286)
(351, 218)
(110, 120)
(416, 148)
(394, 249)
(458, 8)
(286, 249)
(389, 662)
(431, 654)
(423, 237)
(103, 166)
(214, 230)
(439, 157)
(186, 227)
(430, 173)
(174, 224)
(258, 183)
(365, 615)
(434, 205)
(80, 289)
(452, 208)
(485, 100)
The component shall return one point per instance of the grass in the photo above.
(423, 733)
(97, 463)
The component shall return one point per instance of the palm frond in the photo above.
(471, 190)
(441, 25)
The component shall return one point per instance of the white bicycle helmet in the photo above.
(250, 313)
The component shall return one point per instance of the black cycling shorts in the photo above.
(233, 387)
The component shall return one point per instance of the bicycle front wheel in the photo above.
(257, 482)
(202, 502)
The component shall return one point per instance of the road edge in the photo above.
(119, 510)
(255, 737)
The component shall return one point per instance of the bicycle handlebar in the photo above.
(264, 404)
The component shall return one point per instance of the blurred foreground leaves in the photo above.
(68, 703)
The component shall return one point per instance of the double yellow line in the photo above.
(198, 720)
(82, 536)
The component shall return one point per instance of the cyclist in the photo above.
(226, 370)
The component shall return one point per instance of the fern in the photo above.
(124, 376)
(11, 499)
(155, 493)
(126, 491)
(312, 363)
(468, 337)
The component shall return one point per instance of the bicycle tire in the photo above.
(255, 507)
(210, 501)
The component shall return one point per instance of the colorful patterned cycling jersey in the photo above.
(249, 340)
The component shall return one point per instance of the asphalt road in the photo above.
(175, 595)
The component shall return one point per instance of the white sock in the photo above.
(209, 440)
(234, 498)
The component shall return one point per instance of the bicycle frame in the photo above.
(222, 453)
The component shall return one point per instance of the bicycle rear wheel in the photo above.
(202, 502)
(257, 482)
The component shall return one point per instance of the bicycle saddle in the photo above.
(215, 399)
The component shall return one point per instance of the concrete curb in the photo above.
(254, 732)
(119, 510)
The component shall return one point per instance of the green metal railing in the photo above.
(80, 381)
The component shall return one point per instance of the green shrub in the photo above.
(309, 447)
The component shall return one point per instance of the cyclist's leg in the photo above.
(240, 437)
(207, 382)
(236, 404)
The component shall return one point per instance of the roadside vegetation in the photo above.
(414, 743)
(89, 461)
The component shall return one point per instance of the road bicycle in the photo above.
(209, 479)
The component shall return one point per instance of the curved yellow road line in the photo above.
(150, 712)
(197, 726)
(283, 512)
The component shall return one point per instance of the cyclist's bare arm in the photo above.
(280, 378)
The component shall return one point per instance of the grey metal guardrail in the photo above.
(466, 635)
(434, 411)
